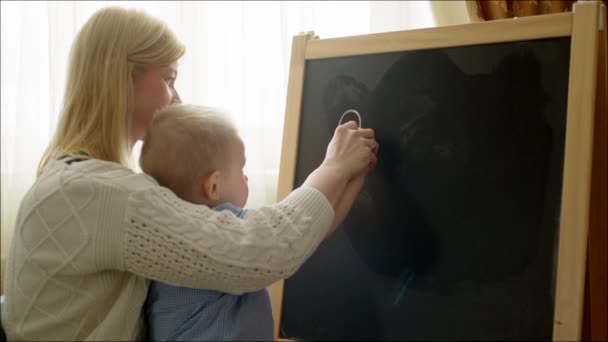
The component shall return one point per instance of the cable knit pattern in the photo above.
(90, 234)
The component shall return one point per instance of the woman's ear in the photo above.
(210, 185)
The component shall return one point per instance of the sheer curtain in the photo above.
(237, 58)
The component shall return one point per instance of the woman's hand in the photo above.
(350, 153)
(351, 150)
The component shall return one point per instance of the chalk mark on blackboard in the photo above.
(405, 279)
(354, 112)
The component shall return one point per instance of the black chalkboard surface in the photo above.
(454, 235)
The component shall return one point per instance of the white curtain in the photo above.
(237, 58)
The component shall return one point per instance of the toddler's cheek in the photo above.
(244, 197)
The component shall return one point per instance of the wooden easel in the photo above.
(595, 315)
(584, 221)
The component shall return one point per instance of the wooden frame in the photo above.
(598, 224)
(582, 26)
(576, 187)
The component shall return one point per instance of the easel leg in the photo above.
(598, 221)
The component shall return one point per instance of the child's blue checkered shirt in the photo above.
(184, 314)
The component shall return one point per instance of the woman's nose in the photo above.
(246, 178)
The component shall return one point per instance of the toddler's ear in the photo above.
(210, 185)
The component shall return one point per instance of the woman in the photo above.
(91, 232)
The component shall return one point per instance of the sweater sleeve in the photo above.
(184, 244)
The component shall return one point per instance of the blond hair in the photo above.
(185, 142)
(95, 116)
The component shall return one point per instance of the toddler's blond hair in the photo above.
(183, 143)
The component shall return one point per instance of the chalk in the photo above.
(354, 111)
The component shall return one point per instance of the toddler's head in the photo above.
(197, 153)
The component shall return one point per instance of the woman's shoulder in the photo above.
(92, 173)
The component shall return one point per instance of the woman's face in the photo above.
(153, 88)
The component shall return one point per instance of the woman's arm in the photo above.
(183, 244)
(350, 153)
(353, 188)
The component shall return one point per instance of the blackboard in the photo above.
(453, 235)
(456, 233)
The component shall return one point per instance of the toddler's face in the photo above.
(235, 185)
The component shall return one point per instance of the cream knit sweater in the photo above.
(90, 234)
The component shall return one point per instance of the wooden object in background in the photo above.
(554, 6)
(474, 11)
(524, 8)
(495, 9)
(483, 10)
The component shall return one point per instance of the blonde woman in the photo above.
(91, 233)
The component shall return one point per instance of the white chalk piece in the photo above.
(354, 112)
